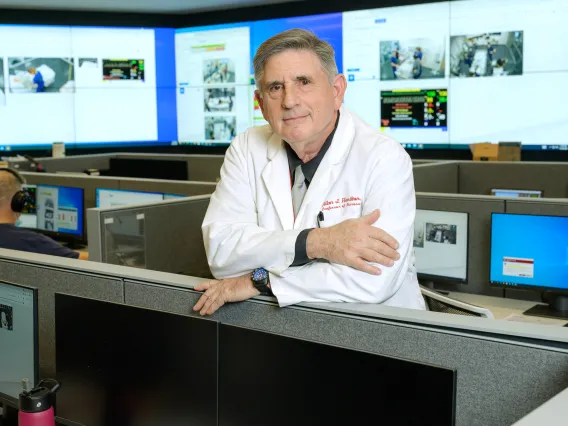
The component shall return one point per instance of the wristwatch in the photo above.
(260, 281)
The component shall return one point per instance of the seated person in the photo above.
(296, 212)
(12, 202)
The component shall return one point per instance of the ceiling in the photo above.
(138, 6)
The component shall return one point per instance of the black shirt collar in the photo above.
(309, 169)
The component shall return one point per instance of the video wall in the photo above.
(86, 85)
(440, 75)
(436, 75)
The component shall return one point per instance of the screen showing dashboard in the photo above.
(436, 75)
(85, 86)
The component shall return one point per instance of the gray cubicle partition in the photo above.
(164, 236)
(504, 369)
(440, 177)
(203, 168)
(479, 209)
(478, 177)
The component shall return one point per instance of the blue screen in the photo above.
(60, 209)
(529, 250)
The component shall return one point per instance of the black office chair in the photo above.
(437, 302)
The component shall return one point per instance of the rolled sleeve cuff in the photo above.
(301, 249)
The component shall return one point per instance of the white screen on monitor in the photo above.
(17, 338)
(111, 198)
(517, 193)
(440, 243)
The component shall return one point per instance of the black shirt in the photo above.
(14, 238)
(309, 170)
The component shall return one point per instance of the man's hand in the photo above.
(219, 292)
(354, 243)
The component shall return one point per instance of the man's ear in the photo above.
(339, 87)
(258, 98)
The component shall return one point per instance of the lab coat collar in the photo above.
(276, 173)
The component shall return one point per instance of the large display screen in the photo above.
(434, 75)
(85, 86)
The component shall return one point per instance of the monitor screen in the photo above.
(18, 338)
(517, 193)
(60, 209)
(174, 196)
(325, 385)
(148, 168)
(28, 218)
(440, 244)
(118, 197)
(529, 251)
(133, 366)
(102, 86)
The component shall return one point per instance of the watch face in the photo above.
(260, 275)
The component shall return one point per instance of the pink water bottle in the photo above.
(36, 405)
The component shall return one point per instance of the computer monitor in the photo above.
(325, 385)
(441, 245)
(121, 197)
(531, 252)
(28, 218)
(148, 168)
(124, 365)
(174, 196)
(516, 193)
(60, 212)
(18, 339)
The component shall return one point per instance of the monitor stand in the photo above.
(430, 285)
(557, 309)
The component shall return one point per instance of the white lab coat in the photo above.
(250, 219)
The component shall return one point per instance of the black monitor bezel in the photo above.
(7, 399)
(441, 278)
(496, 284)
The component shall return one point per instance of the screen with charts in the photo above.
(18, 338)
(516, 193)
(60, 209)
(517, 261)
(440, 244)
(117, 197)
(99, 85)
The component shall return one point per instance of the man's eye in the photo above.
(304, 81)
(275, 88)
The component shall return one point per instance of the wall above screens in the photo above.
(483, 67)
(93, 86)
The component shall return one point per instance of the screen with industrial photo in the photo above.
(6, 317)
(221, 99)
(28, 217)
(487, 54)
(2, 84)
(420, 58)
(220, 128)
(218, 71)
(440, 244)
(41, 75)
(60, 209)
(123, 69)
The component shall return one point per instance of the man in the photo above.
(395, 63)
(416, 68)
(14, 238)
(296, 209)
(38, 82)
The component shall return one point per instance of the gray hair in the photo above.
(9, 185)
(295, 39)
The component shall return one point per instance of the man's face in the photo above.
(297, 98)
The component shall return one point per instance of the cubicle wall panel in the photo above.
(49, 281)
(497, 383)
(77, 163)
(479, 241)
(203, 168)
(168, 186)
(481, 177)
(436, 177)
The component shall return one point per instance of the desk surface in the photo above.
(506, 309)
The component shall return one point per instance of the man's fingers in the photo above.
(379, 234)
(383, 249)
(373, 256)
(204, 285)
(211, 296)
(371, 217)
(216, 305)
(200, 303)
(363, 266)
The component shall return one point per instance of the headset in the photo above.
(20, 200)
